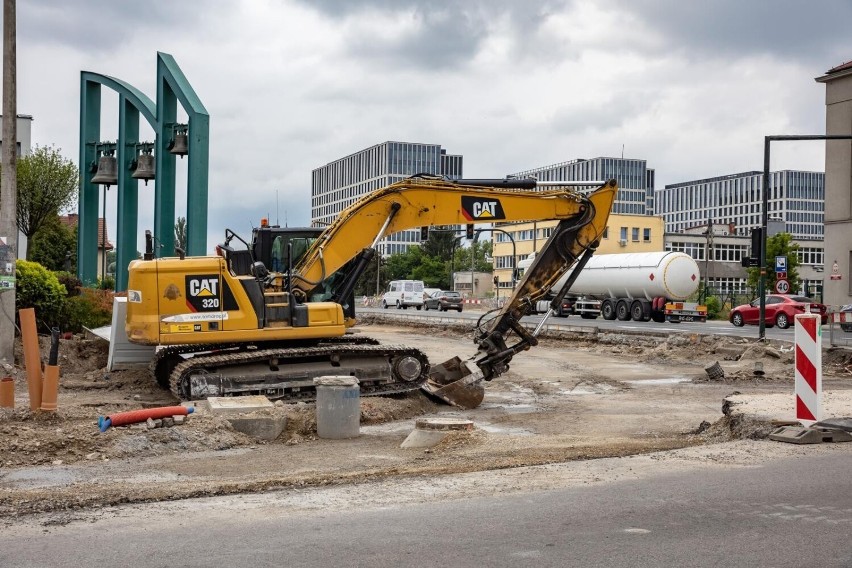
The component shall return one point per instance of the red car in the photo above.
(781, 310)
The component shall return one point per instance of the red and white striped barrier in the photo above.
(841, 317)
(808, 337)
(470, 301)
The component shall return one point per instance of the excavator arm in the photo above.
(425, 201)
(574, 240)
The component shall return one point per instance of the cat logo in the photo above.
(479, 208)
(202, 293)
(203, 287)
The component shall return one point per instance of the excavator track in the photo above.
(287, 372)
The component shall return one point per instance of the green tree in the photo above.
(180, 233)
(47, 184)
(402, 265)
(366, 285)
(54, 246)
(780, 244)
(481, 252)
(433, 272)
(441, 243)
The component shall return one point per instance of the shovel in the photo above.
(457, 383)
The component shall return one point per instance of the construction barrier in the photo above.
(840, 329)
(808, 339)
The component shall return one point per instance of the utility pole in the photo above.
(8, 188)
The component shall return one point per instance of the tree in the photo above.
(180, 233)
(780, 244)
(47, 184)
(480, 251)
(54, 246)
(441, 243)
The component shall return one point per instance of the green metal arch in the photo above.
(136, 97)
(172, 86)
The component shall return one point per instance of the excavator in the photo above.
(230, 324)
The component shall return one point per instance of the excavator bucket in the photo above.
(456, 383)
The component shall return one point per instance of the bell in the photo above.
(144, 167)
(179, 145)
(107, 171)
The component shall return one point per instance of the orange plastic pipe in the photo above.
(7, 392)
(50, 388)
(134, 416)
(32, 357)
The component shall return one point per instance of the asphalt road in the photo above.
(792, 511)
(710, 327)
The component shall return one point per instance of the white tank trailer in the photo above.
(641, 286)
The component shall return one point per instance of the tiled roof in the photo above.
(841, 67)
(72, 219)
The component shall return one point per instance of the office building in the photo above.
(635, 180)
(797, 198)
(338, 184)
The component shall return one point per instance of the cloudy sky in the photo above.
(291, 85)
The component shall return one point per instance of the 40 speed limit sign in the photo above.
(782, 286)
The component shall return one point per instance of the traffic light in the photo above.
(469, 231)
(756, 242)
(424, 234)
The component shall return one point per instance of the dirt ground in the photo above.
(571, 398)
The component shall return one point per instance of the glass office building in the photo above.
(635, 180)
(338, 184)
(797, 198)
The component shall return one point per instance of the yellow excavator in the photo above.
(231, 324)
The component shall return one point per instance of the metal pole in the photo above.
(761, 283)
(103, 239)
(8, 198)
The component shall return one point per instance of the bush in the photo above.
(714, 307)
(72, 283)
(39, 288)
(91, 308)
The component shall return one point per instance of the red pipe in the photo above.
(134, 416)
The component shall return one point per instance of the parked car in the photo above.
(847, 327)
(781, 310)
(427, 292)
(444, 300)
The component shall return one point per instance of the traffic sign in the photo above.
(781, 276)
(780, 264)
(782, 286)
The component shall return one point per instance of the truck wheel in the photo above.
(418, 308)
(622, 311)
(636, 311)
(608, 310)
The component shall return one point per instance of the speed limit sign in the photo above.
(782, 286)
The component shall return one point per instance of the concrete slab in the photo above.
(430, 432)
(812, 435)
(235, 405)
(263, 427)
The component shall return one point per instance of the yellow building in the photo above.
(624, 233)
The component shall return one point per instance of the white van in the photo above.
(403, 293)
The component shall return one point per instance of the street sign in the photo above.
(782, 286)
(780, 264)
(781, 276)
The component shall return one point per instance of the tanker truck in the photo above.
(640, 286)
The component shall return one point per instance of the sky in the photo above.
(291, 85)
